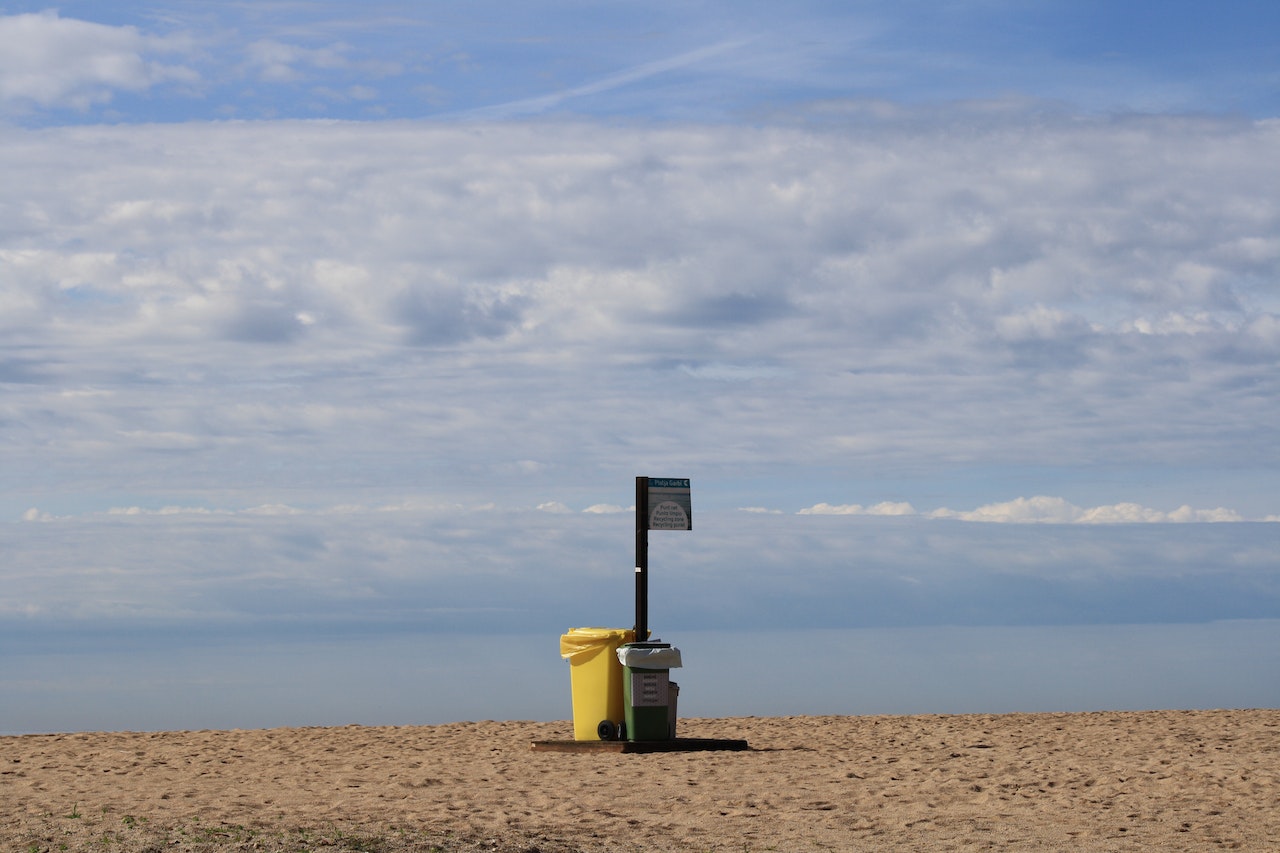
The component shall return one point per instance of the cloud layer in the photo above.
(321, 298)
(325, 375)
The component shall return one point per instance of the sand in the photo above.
(1160, 780)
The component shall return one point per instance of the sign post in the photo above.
(661, 504)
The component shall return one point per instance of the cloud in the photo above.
(50, 61)
(1041, 510)
(1049, 510)
(275, 61)
(883, 508)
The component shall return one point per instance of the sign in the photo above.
(649, 689)
(670, 507)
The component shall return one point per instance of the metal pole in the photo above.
(642, 559)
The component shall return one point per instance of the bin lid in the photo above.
(579, 641)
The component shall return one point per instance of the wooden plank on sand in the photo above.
(683, 744)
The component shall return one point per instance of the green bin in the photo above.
(648, 696)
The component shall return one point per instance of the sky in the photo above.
(336, 322)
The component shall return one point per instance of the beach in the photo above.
(1099, 781)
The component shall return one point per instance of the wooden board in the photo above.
(683, 744)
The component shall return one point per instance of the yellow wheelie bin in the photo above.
(595, 676)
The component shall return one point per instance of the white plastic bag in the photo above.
(639, 657)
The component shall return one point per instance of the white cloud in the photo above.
(833, 509)
(1051, 510)
(892, 508)
(1175, 323)
(882, 508)
(1039, 323)
(62, 62)
(279, 62)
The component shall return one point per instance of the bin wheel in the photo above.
(607, 730)
(622, 730)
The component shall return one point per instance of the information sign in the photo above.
(670, 507)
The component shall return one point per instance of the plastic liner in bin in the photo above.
(640, 657)
(580, 642)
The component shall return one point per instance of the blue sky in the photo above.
(320, 319)
(132, 62)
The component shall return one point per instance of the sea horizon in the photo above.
(224, 682)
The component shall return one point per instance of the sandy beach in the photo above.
(1158, 780)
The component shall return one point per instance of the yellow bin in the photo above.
(595, 675)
